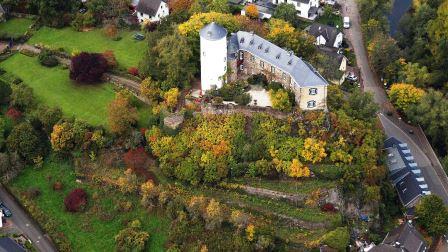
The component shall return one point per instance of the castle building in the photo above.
(248, 54)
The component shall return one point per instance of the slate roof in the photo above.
(213, 31)
(149, 7)
(9, 245)
(328, 32)
(403, 171)
(301, 71)
(407, 238)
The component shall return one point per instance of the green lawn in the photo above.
(53, 87)
(128, 51)
(15, 27)
(88, 231)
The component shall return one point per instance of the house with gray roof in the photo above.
(249, 54)
(326, 35)
(151, 10)
(404, 173)
(404, 238)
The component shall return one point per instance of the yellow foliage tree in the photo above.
(250, 232)
(170, 98)
(313, 150)
(191, 27)
(252, 11)
(62, 137)
(150, 89)
(298, 170)
(403, 95)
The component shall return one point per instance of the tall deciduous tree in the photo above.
(286, 12)
(122, 115)
(252, 11)
(25, 141)
(433, 215)
(176, 59)
(88, 67)
(403, 95)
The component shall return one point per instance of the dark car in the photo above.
(5, 210)
(139, 36)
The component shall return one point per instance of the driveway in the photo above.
(27, 225)
(432, 170)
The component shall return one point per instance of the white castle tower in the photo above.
(213, 56)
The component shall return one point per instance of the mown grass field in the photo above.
(53, 87)
(128, 51)
(88, 231)
(15, 27)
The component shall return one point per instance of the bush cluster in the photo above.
(76, 200)
(47, 58)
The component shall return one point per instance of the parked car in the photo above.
(139, 36)
(5, 210)
(352, 77)
(346, 22)
(82, 10)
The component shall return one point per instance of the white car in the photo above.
(346, 22)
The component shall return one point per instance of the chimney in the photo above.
(252, 33)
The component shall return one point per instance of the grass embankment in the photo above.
(128, 51)
(53, 87)
(94, 229)
(15, 27)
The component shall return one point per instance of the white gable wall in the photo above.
(321, 40)
(338, 40)
(162, 12)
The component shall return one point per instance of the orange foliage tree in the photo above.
(252, 11)
(121, 114)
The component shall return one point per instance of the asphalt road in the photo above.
(27, 225)
(424, 155)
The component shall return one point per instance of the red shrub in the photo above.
(136, 158)
(14, 114)
(88, 67)
(328, 207)
(133, 71)
(76, 200)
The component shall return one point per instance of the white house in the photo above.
(213, 39)
(152, 10)
(305, 8)
(326, 35)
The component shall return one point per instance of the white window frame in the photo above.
(262, 64)
(311, 104)
(273, 69)
(313, 91)
(241, 55)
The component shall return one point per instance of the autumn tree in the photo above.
(175, 57)
(122, 115)
(196, 207)
(415, 74)
(63, 137)
(149, 192)
(22, 97)
(214, 215)
(170, 98)
(128, 183)
(280, 100)
(150, 89)
(252, 11)
(287, 12)
(298, 170)
(313, 150)
(76, 200)
(239, 219)
(88, 67)
(25, 140)
(433, 215)
(136, 158)
(177, 6)
(132, 238)
(110, 30)
(381, 45)
(403, 95)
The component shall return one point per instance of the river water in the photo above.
(399, 8)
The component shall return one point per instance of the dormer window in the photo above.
(278, 56)
(251, 42)
(241, 40)
(260, 46)
(290, 62)
(266, 50)
(313, 91)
